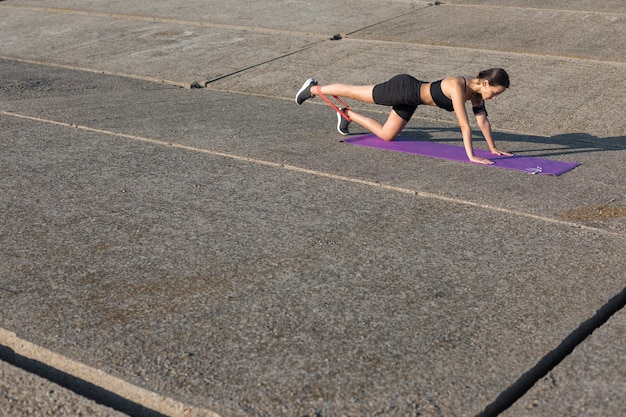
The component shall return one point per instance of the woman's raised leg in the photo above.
(364, 93)
(356, 92)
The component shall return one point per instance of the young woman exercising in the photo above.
(404, 93)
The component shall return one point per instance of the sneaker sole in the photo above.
(339, 120)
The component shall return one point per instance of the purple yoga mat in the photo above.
(528, 164)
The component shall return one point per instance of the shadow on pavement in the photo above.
(563, 144)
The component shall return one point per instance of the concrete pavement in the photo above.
(221, 248)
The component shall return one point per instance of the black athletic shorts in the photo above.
(401, 92)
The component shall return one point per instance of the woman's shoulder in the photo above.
(459, 78)
(452, 83)
(456, 80)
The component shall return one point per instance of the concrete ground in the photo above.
(218, 251)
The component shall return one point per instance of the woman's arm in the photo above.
(457, 95)
(485, 127)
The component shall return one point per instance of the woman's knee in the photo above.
(392, 127)
(387, 136)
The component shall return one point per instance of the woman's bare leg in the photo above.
(388, 132)
(356, 92)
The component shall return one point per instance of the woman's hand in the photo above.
(497, 151)
(480, 160)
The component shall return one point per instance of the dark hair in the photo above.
(495, 76)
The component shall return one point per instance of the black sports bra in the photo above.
(439, 98)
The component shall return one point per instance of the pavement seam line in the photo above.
(96, 71)
(490, 51)
(426, 6)
(534, 9)
(120, 387)
(248, 68)
(59, 10)
(307, 34)
(294, 168)
(122, 16)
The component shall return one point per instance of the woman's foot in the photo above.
(304, 93)
(342, 122)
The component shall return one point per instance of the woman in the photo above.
(404, 93)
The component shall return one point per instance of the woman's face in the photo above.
(490, 91)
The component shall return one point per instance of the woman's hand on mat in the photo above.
(480, 160)
(497, 151)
